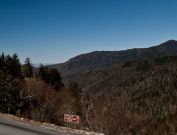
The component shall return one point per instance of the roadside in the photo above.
(31, 123)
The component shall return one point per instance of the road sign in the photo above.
(71, 118)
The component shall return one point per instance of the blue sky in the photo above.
(52, 31)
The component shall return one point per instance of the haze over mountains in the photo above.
(103, 59)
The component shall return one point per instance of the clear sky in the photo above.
(52, 31)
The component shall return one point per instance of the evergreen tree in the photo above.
(2, 61)
(12, 65)
(51, 76)
(43, 73)
(55, 78)
(9, 94)
(10, 75)
(27, 68)
(16, 71)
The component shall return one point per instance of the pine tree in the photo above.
(10, 75)
(55, 78)
(43, 73)
(28, 68)
(51, 76)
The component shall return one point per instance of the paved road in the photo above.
(8, 127)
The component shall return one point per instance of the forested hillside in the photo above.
(105, 59)
(136, 97)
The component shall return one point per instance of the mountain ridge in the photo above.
(103, 59)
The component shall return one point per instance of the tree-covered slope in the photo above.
(133, 97)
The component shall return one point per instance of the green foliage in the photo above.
(10, 75)
(55, 78)
(11, 65)
(51, 76)
(43, 73)
(9, 95)
(27, 68)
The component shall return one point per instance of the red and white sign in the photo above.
(71, 118)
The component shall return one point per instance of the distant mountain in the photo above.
(103, 59)
(36, 65)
